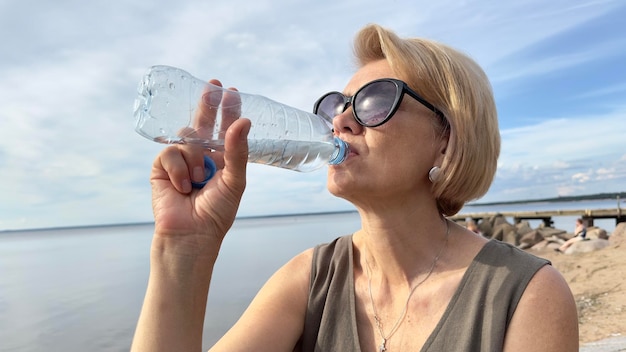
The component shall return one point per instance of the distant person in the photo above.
(421, 122)
(580, 234)
(472, 226)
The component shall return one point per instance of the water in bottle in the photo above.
(174, 107)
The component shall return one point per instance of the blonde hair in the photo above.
(460, 89)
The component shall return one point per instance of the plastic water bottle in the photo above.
(173, 107)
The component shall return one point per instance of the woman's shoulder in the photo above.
(336, 252)
(315, 260)
(341, 242)
(500, 252)
(546, 316)
(502, 267)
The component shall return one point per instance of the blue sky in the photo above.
(69, 155)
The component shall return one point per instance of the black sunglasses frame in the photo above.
(401, 89)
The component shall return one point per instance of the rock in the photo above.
(587, 246)
(594, 233)
(555, 239)
(531, 238)
(523, 227)
(511, 237)
(503, 228)
(497, 220)
(540, 246)
(619, 235)
(548, 232)
(484, 226)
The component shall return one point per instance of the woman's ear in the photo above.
(441, 149)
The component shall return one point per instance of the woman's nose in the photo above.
(346, 123)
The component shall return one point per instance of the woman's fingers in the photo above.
(231, 110)
(236, 154)
(193, 155)
(171, 165)
(206, 113)
(182, 165)
(217, 109)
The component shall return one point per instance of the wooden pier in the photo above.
(588, 215)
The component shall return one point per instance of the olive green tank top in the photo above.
(476, 318)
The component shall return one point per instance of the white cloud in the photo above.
(613, 89)
(506, 28)
(563, 156)
(542, 66)
(68, 154)
(564, 191)
(560, 164)
(562, 139)
(582, 177)
(605, 171)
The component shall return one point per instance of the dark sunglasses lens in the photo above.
(374, 102)
(330, 106)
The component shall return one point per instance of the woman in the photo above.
(580, 234)
(409, 279)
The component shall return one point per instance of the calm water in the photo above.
(81, 289)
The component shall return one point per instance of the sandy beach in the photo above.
(598, 282)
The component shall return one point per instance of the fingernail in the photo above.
(198, 174)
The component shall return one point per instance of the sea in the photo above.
(81, 289)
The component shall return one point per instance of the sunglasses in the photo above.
(373, 104)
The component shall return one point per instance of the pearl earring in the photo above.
(433, 174)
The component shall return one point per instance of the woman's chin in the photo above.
(341, 185)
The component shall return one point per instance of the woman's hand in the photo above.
(201, 217)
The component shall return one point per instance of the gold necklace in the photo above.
(395, 327)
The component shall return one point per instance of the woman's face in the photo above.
(391, 161)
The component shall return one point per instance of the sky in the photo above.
(69, 155)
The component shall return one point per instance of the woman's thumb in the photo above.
(236, 152)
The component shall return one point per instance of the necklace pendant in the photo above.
(382, 347)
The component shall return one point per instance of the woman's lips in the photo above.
(352, 151)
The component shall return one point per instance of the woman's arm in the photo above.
(546, 318)
(189, 228)
(172, 315)
(274, 321)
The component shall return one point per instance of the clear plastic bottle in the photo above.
(173, 107)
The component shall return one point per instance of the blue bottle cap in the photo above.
(209, 171)
(341, 152)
